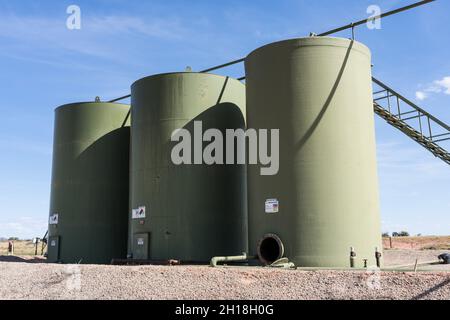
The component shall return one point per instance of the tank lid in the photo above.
(188, 73)
(91, 104)
(316, 41)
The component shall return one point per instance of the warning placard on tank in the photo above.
(272, 206)
(138, 213)
(53, 219)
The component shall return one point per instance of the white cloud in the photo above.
(23, 227)
(437, 86)
(398, 159)
(434, 88)
(157, 28)
(420, 95)
(445, 84)
(99, 37)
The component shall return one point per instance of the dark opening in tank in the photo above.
(270, 249)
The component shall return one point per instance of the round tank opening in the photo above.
(270, 249)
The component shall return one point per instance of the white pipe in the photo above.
(216, 260)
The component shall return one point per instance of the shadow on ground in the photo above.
(430, 291)
(30, 259)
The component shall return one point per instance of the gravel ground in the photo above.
(21, 280)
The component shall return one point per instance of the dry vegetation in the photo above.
(418, 243)
(21, 248)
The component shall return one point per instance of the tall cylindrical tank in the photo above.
(324, 200)
(183, 211)
(90, 179)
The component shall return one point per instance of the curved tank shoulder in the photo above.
(314, 41)
(155, 77)
(90, 104)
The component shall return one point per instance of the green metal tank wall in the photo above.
(90, 180)
(192, 212)
(318, 92)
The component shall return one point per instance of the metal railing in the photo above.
(412, 120)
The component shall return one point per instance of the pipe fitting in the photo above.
(378, 257)
(216, 260)
(352, 257)
(270, 249)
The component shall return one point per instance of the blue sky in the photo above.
(44, 65)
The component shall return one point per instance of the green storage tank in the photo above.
(89, 192)
(324, 200)
(188, 212)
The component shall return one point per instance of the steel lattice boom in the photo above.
(412, 120)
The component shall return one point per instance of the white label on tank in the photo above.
(140, 241)
(53, 243)
(53, 219)
(138, 213)
(272, 206)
